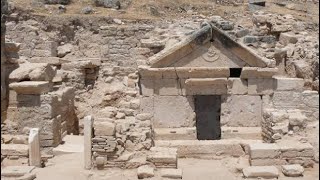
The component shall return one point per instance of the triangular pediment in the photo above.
(209, 55)
(208, 47)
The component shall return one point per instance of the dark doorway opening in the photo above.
(208, 110)
(235, 72)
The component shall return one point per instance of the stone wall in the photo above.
(291, 113)
(112, 139)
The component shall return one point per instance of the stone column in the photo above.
(88, 125)
(34, 148)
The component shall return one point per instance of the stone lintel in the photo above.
(206, 81)
(256, 72)
(184, 72)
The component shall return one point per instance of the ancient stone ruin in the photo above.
(145, 97)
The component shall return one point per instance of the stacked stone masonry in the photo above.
(283, 153)
(290, 109)
(111, 138)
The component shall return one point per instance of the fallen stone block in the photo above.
(145, 172)
(261, 172)
(30, 87)
(258, 2)
(171, 173)
(287, 38)
(33, 72)
(294, 170)
(16, 171)
(14, 150)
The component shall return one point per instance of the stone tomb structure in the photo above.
(208, 96)
(208, 82)
(210, 87)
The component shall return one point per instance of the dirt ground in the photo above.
(168, 9)
(70, 167)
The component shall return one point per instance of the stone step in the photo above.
(250, 133)
(72, 144)
(14, 150)
(208, 149)
(282, 153)
(163, 157)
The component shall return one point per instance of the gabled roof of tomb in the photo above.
(205, 46)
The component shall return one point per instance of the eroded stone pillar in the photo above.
(88, 125)
(34, 148)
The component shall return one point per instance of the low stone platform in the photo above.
(250, 133)
(208, 149)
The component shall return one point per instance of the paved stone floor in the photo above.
(70, 167)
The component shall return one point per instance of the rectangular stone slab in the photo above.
(261, 172)
(162, 157)
(30, 87)
(14, 149)
(16, 171)
(171, 173)
(264, 151)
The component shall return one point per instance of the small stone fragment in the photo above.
(87, 10)
(294, 170)
(171, 173)
(100, 162)
(145, 172)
